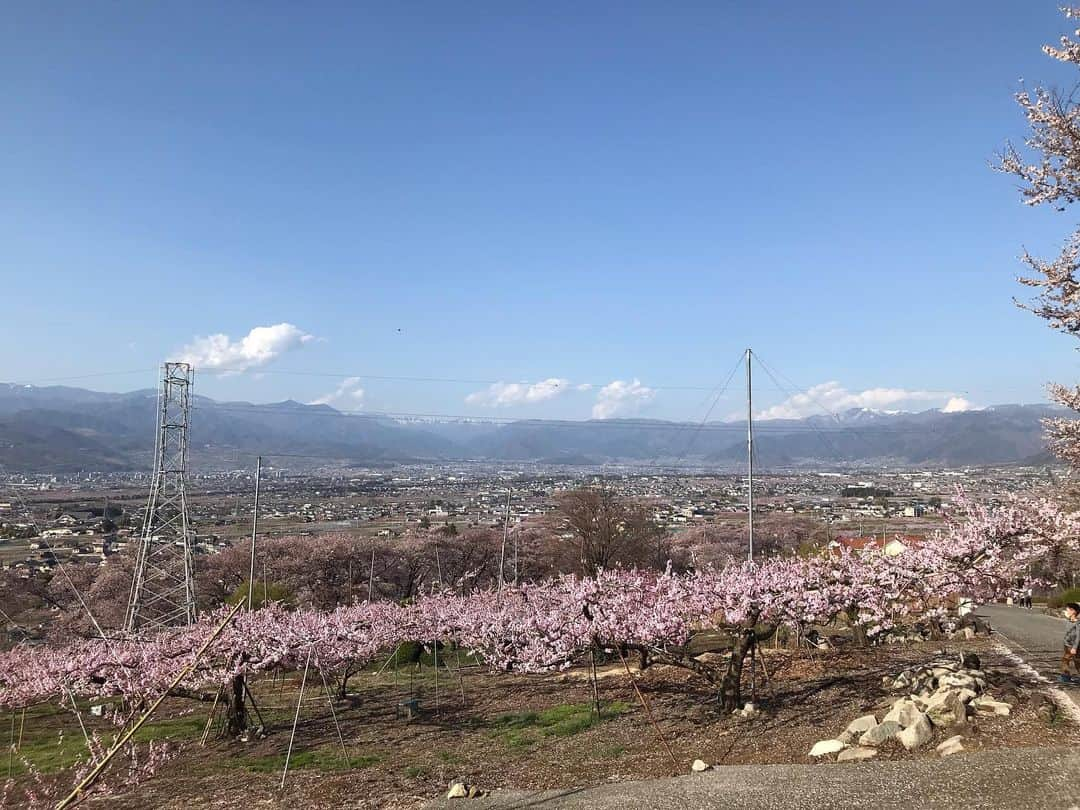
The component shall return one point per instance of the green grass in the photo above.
(172, 730)
(326, 760)
(611, 751)
(449, 757)
(522, 729)
(416, 772)
(48, 753)
(1062, 598)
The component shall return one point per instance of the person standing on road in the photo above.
(1072, 642)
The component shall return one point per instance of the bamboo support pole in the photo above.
(296, 719)
(333, 714)
(648, 710)
(595, 686)
(11, 746)
(210, 719)
(254, 705)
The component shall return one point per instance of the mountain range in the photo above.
(58, 429)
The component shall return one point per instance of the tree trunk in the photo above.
(731, 686)
(858, 629)
(343, 686)
(236, 720)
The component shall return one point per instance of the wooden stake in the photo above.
(595, 687)
(435, 647)
(210, 719)
(648, 711)
(296, 719)
(11, 747)
(389, 659)
(333, 713)
(78, 716)
(254, 705)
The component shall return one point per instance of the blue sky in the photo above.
(585, 193)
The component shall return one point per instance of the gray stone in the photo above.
(987, 705)
(947, 711)
(917, 734)
(457, 791)
(880, 733)
(700, 765)
(856, 754)
(904, 712)
(959, 680)
(861, 724)
(951, 746)
(823, 748)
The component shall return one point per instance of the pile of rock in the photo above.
(942, 694)
(460, 790)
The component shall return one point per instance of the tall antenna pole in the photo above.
(371, 574)
(750, 451)
(516, 538)
(506, 531)
(254, 528)
(163, 583)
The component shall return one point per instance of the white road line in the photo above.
(1011, 641)
(1062, 698)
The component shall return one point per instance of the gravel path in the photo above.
(1030, 778)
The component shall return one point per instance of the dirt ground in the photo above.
(526, 732)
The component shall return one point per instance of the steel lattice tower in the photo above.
(163, 586)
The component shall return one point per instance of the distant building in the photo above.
(892, 546)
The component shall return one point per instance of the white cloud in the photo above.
(959, 405)
(621, 397)
(257, 348)
(833, 397)
(349, 394)
(501, 395)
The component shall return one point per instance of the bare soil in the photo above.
(537, 732)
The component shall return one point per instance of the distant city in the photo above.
(89, 517)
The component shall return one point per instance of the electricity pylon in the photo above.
(163, 585)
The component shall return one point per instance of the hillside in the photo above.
(61, 429)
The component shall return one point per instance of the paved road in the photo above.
(1029, 778)
(1034, 635)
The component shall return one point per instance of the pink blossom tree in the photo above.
(1048, 167)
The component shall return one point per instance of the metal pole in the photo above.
(506, 530)
(371, 575)
(254, 527)
(750, 451)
